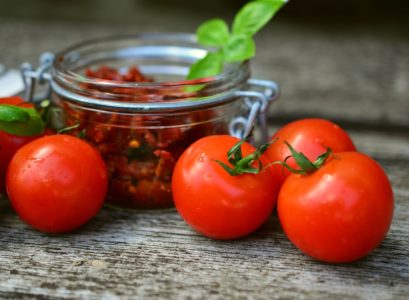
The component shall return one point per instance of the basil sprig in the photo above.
(20, 121)
(236, 45)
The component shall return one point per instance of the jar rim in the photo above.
(183, 46)
(58, 67)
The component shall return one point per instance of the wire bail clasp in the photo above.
(33, 77)
(258, 100)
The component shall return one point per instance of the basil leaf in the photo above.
(213, 33)
(254, 15)
(10, 113)
(234, 47)
(209, 65)
(20, 121)
(239, 48)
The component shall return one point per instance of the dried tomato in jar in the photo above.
(139, 150)
(129, 99)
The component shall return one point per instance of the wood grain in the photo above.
(363, 74)
(127, 254)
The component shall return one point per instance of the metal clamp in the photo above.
(37, 76)
(258, 101)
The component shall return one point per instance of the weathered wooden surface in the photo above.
(358, 78)
(154, 254)
(363, 74)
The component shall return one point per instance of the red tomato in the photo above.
(340, 212)
(9, 143)
(309, 136)
(56, 183)
(212, 201)
(15, 100)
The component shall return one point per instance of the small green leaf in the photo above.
(254, 15)
(234, 154)
(239, 48)
(68, 128)
(210, 65)
(322, 158)
(235, 47)
(213, 33)
(20, 121)
(242, 165)
(10, 113)
(305, 165)
(302, 161)
(228, 169)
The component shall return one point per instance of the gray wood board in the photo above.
(359, 76)
(127, 254)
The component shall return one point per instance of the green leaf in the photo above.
(235, 47)
(10, 113)
(241, 165)
(213, 33)
(306, 166)
(302, 161)
(210, 65)
(228, 169)
(254, 15)
(239, 48)
(234, 154)
(322, 158)
(20, 121)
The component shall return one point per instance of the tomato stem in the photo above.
(305, 165)
(240, 164)
(68, 128)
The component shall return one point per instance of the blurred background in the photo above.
(377, 13)
(346, 60)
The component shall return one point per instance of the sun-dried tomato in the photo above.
(139, 159)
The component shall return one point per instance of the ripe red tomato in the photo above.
(212, 201)
(309, 136)
(10, 143)
(15, 100)
(340, 212)
(56, 183)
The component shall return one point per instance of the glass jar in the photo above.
(141, 128)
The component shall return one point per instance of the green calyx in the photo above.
(236, 45)
(20, 121)
(68, 128)
(305, 165)
(240, 164)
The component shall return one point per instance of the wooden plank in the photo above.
(126, 254)
(356, 76)
(351, 76)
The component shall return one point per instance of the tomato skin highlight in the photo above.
(309, 136)
(212, 201)
(339, 213)
(56, 183)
